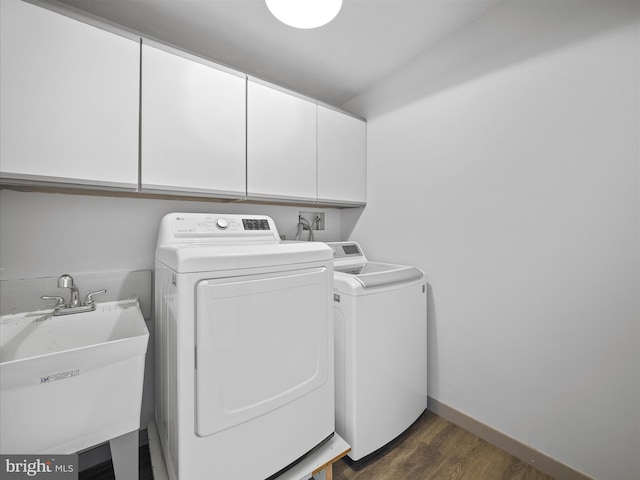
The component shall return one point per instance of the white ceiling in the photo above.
(368, 41)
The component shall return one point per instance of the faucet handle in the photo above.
(59, 300)
(89, 300)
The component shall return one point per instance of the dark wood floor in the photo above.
(431, 449)
(104, 471)
(436, 449)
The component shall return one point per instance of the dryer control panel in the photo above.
(198, 227)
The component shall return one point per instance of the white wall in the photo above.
(508, 159)
(46, 234)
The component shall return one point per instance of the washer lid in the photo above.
(354, 272)
(372, 274)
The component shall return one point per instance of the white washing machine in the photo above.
(244, 346)
(380, 322)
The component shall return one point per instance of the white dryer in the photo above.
(380, 322)
(244, 346)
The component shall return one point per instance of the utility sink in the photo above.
(70, 382)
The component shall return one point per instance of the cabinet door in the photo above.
(341, 157)
(281, 145)
(70, 95)
(193, 126)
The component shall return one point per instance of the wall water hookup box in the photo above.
(316, 219)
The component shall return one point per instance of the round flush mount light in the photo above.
(304, 13)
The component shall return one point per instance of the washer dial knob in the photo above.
(222, 223)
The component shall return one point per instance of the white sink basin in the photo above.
(70, 382)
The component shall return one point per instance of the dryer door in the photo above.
(261, 343)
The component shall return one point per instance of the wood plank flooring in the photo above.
(104, 471)
(431, 449)
(436, 449)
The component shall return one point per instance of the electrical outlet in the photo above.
(314, 218)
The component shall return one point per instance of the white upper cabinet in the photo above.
(342, 160)
(281, 145)
(193, 126)
(70, 95)
(83, 106)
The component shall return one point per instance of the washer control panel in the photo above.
(345, 249)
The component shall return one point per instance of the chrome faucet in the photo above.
(74, 305)
(66, 281)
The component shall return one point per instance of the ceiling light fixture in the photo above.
(304, 13)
